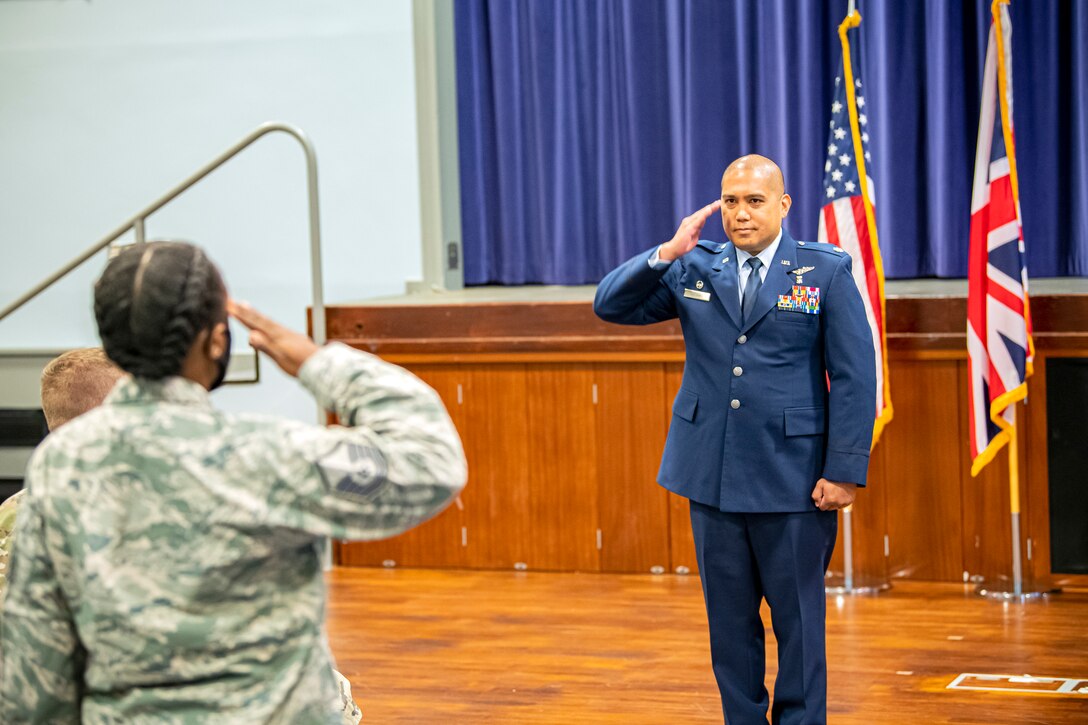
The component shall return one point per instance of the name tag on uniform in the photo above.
(697, 295)
(801, 299)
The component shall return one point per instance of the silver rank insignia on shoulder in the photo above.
(800, 271)
(697, 295)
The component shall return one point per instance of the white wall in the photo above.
(104, 105)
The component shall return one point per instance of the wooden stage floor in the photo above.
(506, 647)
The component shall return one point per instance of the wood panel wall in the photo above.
(562, 465)
(564, 417)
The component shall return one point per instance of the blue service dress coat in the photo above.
(755, 425)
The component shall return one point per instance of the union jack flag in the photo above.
(999, 345)
(848, 217)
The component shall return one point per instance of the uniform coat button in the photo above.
(738, 371)
(734, 403)
(742, 339)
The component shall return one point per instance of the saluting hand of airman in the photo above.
(687, 236)
(287, 348)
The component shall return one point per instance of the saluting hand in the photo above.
(832, 495)
(287, 348)
(687, 236)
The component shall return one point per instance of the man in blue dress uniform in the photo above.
(771, 428)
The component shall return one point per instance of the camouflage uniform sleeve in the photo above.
(350, 714)
(41, 660)
(397, 462)
(7, 538)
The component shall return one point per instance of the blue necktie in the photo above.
(751, 289)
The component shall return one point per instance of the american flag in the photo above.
(848, 217)
(999, 344)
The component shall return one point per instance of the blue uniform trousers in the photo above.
(744, 558)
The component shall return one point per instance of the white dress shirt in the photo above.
(744, 271)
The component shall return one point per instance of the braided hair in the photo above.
(152, 301)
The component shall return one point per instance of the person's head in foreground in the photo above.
(75, 382)
(161, 309)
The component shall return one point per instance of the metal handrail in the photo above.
(137, 222)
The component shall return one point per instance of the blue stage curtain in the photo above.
(588, 130)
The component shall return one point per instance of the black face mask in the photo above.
(222, 363)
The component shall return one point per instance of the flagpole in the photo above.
(1014, 459)
(1014, 508)
(853, 20)
(1017, 591)
(848, 550)
(1001, 591)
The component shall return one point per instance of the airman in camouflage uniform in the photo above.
(72, 383)
(169, 560)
